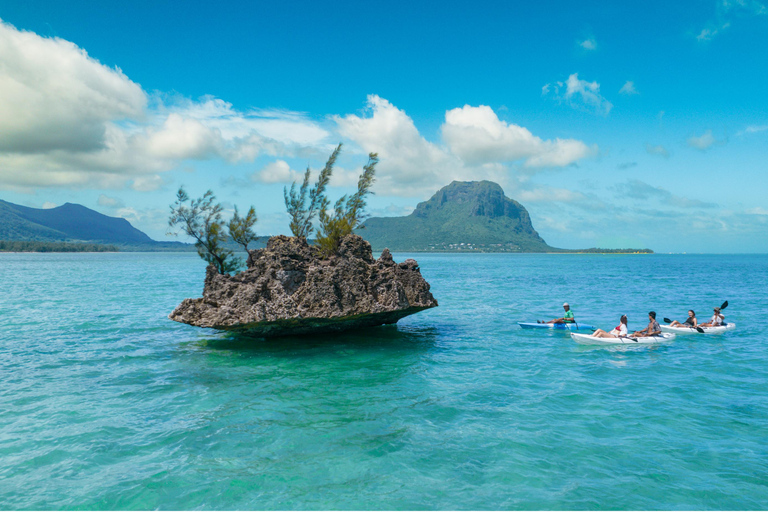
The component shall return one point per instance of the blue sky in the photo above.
(638, 124)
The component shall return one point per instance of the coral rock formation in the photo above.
(289, 289)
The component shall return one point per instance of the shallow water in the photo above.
(107, 404)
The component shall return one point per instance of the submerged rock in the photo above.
(288, 289)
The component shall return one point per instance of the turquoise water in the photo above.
(107, 404)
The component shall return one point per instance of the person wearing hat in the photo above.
(567, 318)
(717, 319)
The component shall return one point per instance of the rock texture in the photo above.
(288, 289)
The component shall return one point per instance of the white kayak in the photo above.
(719, 329)
(588, 339)
(576, 326)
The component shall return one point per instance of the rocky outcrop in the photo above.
(289, 289)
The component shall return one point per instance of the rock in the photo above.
(289, 289)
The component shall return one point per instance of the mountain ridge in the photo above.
(461, 215)
(67, 223)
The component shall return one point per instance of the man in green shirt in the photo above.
(567, 317)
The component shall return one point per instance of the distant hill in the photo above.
(74, 223)
(465, 215)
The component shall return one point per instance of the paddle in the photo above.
(667, 320)
(723, 306)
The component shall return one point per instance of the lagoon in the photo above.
(107, 404)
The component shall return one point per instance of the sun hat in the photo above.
(565, 304)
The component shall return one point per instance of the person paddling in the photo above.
(619, 332)
(717, 319)
(567, 318)
(689, 322)
(653, 328)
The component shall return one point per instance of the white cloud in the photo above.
(753, 129)
(703, 142)
(757, 211)
(477, 145)
(147, 183)
(628, 88)
(110, 202)
(657, 150)
(580, 94)
(48, 205)
(70, 121)
(409, 164)
(54, 96)
(277, 172)
(478, 136)
(728, 10)
(589, 44)
(183, 137)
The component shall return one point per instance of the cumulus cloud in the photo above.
(276, 172)
(478, 136)
(54, 96)
(703, 142)
(48, 205)
(580, 94)
(628, 88)
(70, 121)
(657, 150)
(589, 44)
(477, 146)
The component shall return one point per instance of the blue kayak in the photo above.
(576, 326)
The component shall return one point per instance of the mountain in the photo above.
(465, 215)
(69, 222)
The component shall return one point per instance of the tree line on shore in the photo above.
(29, 246)
(202, 218)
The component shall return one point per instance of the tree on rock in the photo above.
(346, 215)
(302, 214)
(201, 219)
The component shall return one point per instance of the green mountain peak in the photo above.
(464, 215)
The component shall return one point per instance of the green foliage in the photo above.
(29, 246)
(302, 214)
(241, 228)
(201, 219)
(348, 212)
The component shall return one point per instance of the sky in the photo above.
(616, 124)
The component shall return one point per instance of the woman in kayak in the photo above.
(689, 322)
(619, 332)
(717, 319)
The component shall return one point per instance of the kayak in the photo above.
(692, 330)
(576, 326)
(588, 339)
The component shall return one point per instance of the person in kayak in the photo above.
(689, 322)
(653, 327)
(619, 331)
(717, 319)
(567, 318)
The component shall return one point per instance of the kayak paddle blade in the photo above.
(725, 305)
(667, 320)
(700, 330)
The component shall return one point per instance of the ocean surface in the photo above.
(107, 404)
